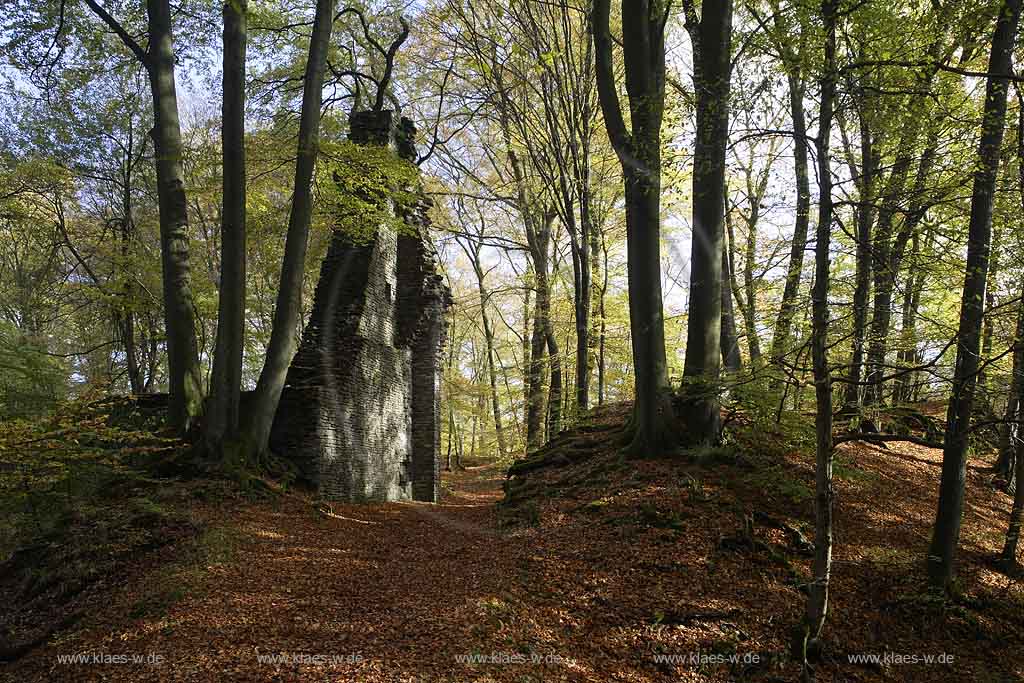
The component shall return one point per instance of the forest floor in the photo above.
(591, 569)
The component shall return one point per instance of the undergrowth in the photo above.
(85, 457)
(86, 494)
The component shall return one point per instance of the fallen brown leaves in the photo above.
(603, 570)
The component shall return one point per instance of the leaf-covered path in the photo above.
(384, 592)
(598, 570)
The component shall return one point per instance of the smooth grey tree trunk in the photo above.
(126, 317)
(287, 314)
(862, 278)
(946, 534)
(222, 414)
(711, 37)
(1011, 465)
(782, 339)
(565, 90)
(886, 254)
(1008, 558)
(755, 194)
(555, 391)
(473, 252)
(535, 385)
(535, 390)
(1010, 431)
(556, 385)
(537, 222)
(539, 237)
(818, 594)
(653, 428)
(603, 325)
(908, 329)
(988, 324)
(596, 310)
(730, 343)
(184, 372)
(582, 295)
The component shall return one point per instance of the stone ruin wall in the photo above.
(429, 340)
(360, 413)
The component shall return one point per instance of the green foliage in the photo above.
(760, 425)
(31, 381)
(54, 470)
(363, 187)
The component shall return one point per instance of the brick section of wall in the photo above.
(420, 284)
(426, 406)
(360, 414)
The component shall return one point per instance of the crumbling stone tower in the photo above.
(360, 413)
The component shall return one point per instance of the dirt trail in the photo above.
(382, 592)
(613, 571)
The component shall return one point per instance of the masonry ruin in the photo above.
(360, 413)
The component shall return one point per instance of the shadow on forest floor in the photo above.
(593, 569)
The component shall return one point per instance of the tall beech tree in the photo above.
(1010, 430)
(654, 425)
(864, 175)
(711, 37)
(221, 419)
(753, 189)
(528, 120)
(1013, 452)
(902, 208)
(287, 314)
(185, 382)
(730, 342)
(791, 51)
(909, 355)
(472, 245)
(887, 265)
(946, 533)
(821, 567)
(564, 156)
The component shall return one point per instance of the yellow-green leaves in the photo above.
(364, 187)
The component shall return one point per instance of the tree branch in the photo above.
(606, 93)
(117, 28)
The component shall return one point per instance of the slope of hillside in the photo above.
(587, 567)
(709, 554)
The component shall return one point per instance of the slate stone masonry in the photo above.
(360, 412)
